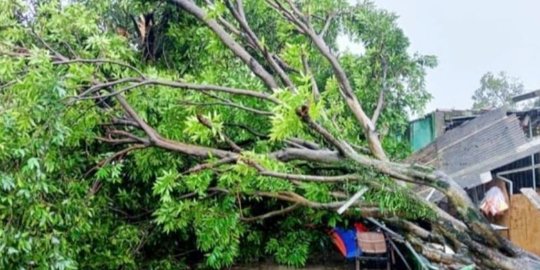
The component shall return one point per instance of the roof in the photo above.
(480, 145)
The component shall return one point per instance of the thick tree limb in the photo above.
(322, 156)
(156, 140)
(455, 194)
(438, 256)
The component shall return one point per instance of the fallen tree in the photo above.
(272, 126)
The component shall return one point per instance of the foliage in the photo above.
(72, 198)
(496, 90)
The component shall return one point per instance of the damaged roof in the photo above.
(480, 145)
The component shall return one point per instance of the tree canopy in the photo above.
(167, 134)
(496, 90)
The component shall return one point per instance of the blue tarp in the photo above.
(348, 242)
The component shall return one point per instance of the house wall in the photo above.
(424, 130)
(421, 132)
(523, 221)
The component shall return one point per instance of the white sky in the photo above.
(470, 38)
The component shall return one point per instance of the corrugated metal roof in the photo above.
(469, 177)
(487, 142)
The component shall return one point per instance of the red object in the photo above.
(339, 243)
(360, 227)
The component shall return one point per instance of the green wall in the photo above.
(422, 132)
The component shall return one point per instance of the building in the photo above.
(482, 149)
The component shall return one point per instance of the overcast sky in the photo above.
(470, 38)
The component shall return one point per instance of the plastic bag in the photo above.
(494, 202)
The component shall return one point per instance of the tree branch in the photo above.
(156, 140)
(366, 210)
(310, 178)
(144, 80)
(238, 14)
(62, 60)
(117, 141)
(210, 165)
(174, 84)
(206, 122)
(306, 144)
(98, 86)
(236, 48)
(228, 102)
(307, 71)
(380, 102)
(98, 60)
(272, 213)
(327, 24)
(303, 113)
(205, 87)
(322, 156)
(97, 184)
(248, 129)
(345, 87)
(48, 46)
